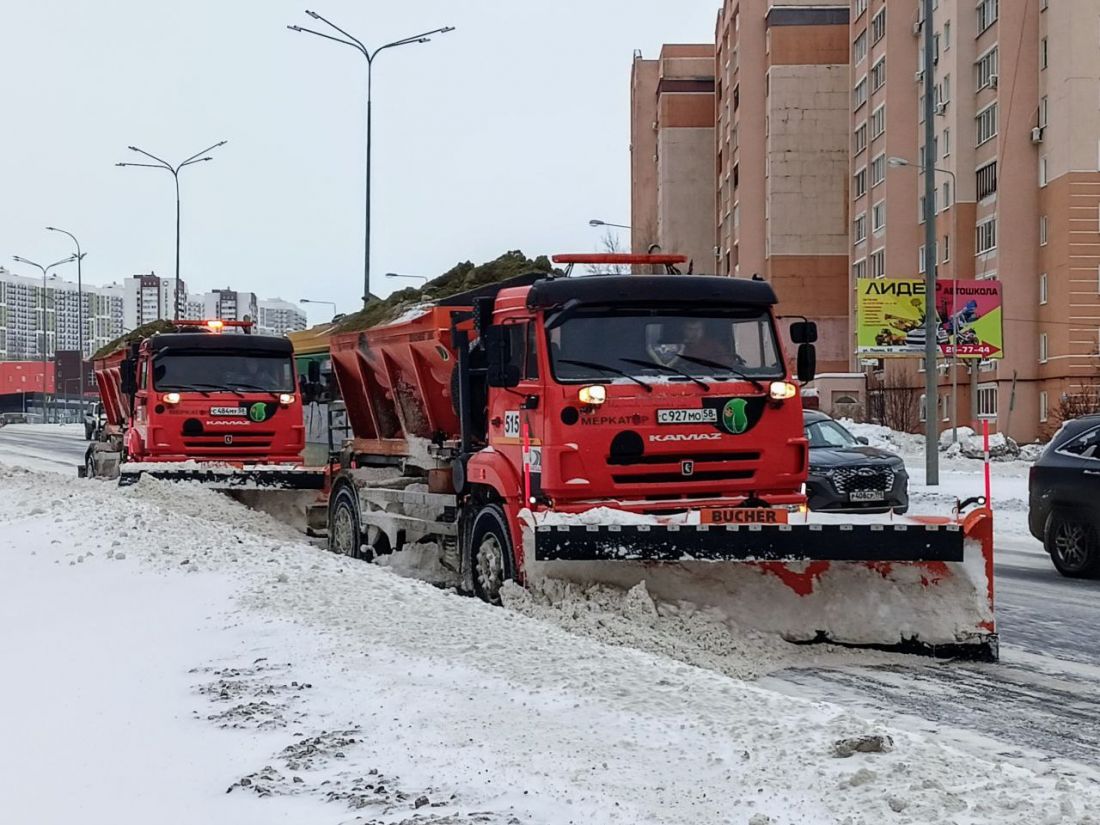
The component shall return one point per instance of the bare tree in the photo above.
(893, 400)
(609, 242)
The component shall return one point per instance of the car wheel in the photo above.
(490, 553)
(1071, 542)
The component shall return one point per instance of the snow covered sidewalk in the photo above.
(163, 644)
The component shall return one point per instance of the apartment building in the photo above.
(1017, 124)
(782, 112)
(152, 298)
(230, 305)
(278, 317)
(672, 151)
(21, 316)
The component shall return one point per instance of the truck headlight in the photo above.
(170, 398)
(592, 396)
(782, 390)
(286, 399)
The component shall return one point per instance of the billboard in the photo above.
(890, 317)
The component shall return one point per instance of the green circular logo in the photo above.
(258, 412)
(734, 417)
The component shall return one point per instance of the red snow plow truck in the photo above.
(191, 401)
(626, 428)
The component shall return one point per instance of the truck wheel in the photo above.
(345, 536)
(1071, 542)
(89, 465)
(491, 559)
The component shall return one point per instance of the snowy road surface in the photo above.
(43, 446)
(169, 645)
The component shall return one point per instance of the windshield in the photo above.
(218, 370)
(829, 434)
(659, 343)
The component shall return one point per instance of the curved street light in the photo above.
(315, 301)
(198, 157)
(355, 43)
(597, 222)
(423, 278)
(44, 270)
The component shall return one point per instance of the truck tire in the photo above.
(345, 535)
(490, 553)
(1072, 543)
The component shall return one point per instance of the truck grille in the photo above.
(849, 479)
(668, 468)
(245, 443)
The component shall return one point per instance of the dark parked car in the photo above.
(1064, 498)
(847, 475)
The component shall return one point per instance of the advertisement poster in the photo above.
(890, 318)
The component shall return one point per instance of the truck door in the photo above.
(516, 421)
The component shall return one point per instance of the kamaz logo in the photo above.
(686, 437)
(894, 288)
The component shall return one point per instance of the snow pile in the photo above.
(971, 444)
(884, 438)
(388, 700)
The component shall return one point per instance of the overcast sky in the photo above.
(510, 132)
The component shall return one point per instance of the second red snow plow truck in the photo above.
(618, 429)
(193, 402)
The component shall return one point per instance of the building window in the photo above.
(878, 264)
(859, 93)
(946, 194)
(859, 229)
(860, 138)
(986, 236)
(878, 25)
(859, 269)
(986, 121)
(1043, 171)
(878, 170)
(1043, 288)
(859, 47)
(878, 121)
(946, 142)
(921, 257)
(1044, 407)
(1043, 351)
(1044, 111)
(985, 69)
(878, 216)
(1043, 230)
(946, 248)
(987, 14)
(947, 35)
(987, 181)
(878, 74)
(858, 7)
(987, 401)
(859, 183)
(1044, 54)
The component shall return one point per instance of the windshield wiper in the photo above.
(667, 368)
(206, 389)
(706, 362)
(594, 366)
(257, 387)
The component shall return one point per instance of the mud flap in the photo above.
(764, 543)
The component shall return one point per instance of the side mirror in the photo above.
(128, 372)
(313, 372)
(500, 372)
(862, 439)
(804, 332)
(807, 363)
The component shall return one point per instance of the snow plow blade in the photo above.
(918, 585)
(229, 478)
(703, 542)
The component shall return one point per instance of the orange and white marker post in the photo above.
(985, 455)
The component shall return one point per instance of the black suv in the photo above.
(1064, 498)
(848, 476)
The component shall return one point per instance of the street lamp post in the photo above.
(198, 157)
(79, 307)
(315, 301)
(44, 270)
(423, 278)
(896, 162)
(598, 222)
(424, 37)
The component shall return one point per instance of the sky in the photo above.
(510, 132)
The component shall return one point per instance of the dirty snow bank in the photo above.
(340, 693)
